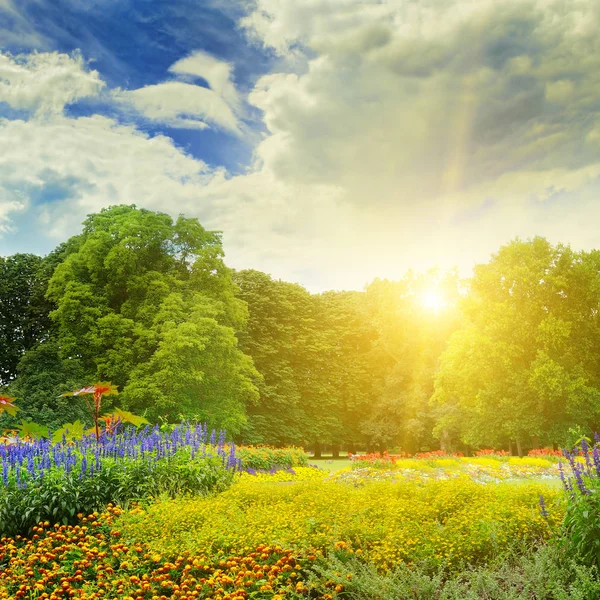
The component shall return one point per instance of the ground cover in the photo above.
(446, 522)
(455, 530)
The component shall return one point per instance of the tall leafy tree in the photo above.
(148, 304)
(351, 375)
(24, 311)
(524, 369)
(277, 338)
(405, 356)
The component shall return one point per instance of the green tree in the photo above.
(277, 338)
(148, 304)
(24, 312)
(411, 334)
(525, 368)
(349, 337)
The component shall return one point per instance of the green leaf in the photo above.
(32, 430)
(126, 417)
(71, 431)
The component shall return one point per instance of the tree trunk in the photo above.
(510, 448)
(352, 448)
(444, 441)
(335, 451)
(519, 449)
(317, 450)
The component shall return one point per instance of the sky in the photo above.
(331, 141)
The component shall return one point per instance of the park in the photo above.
(299, 300)
(177, 429)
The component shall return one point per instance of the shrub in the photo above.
(44, 481)
(582, 519)
(265, 458)
(545, 574)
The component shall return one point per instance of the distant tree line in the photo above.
(511, 360)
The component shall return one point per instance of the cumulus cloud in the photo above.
(46, 82)
(397, 134)
(92, 162)
(182, 104)
(431, 97)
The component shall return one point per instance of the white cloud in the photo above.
(217, 73)
(182, 104)
(398, 134)
(94, 162)
(46, 82)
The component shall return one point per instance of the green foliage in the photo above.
(312, 353)
(70, 431)
(7, 406)
(524, 367)
(24, 312)
(148, 303)
(405, 357)
(30, 430)
(582, 526)
(59, 496)
(266, 457)
(545, 574)
(42, 376)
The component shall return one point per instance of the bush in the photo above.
(59, 496)
(542, 575)
(582, 519)
(44, 481)
(265, 458)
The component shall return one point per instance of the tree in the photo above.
(277, 338)
(349, 336)
(148, 304)
(410, 339)
(24, 312)
(525, 367)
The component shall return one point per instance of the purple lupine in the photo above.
(586, 453)
(596, 458)
(566, 483)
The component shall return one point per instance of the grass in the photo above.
(333, 465)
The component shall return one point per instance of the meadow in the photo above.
(150, 514)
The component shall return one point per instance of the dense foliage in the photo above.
(446, 522)
(510, 360)
(45, 481)
(582, 521)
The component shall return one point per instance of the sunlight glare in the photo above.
(432, 300)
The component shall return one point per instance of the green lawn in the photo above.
(330, 464)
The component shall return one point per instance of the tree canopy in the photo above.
(510, 356)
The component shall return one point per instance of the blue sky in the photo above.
(133, 44)
(331, 142)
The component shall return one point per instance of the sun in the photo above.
(432, 300)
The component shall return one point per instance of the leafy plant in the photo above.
(582, 519)
(7, 406)
(97, 391)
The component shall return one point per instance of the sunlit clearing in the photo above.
(432, 300)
